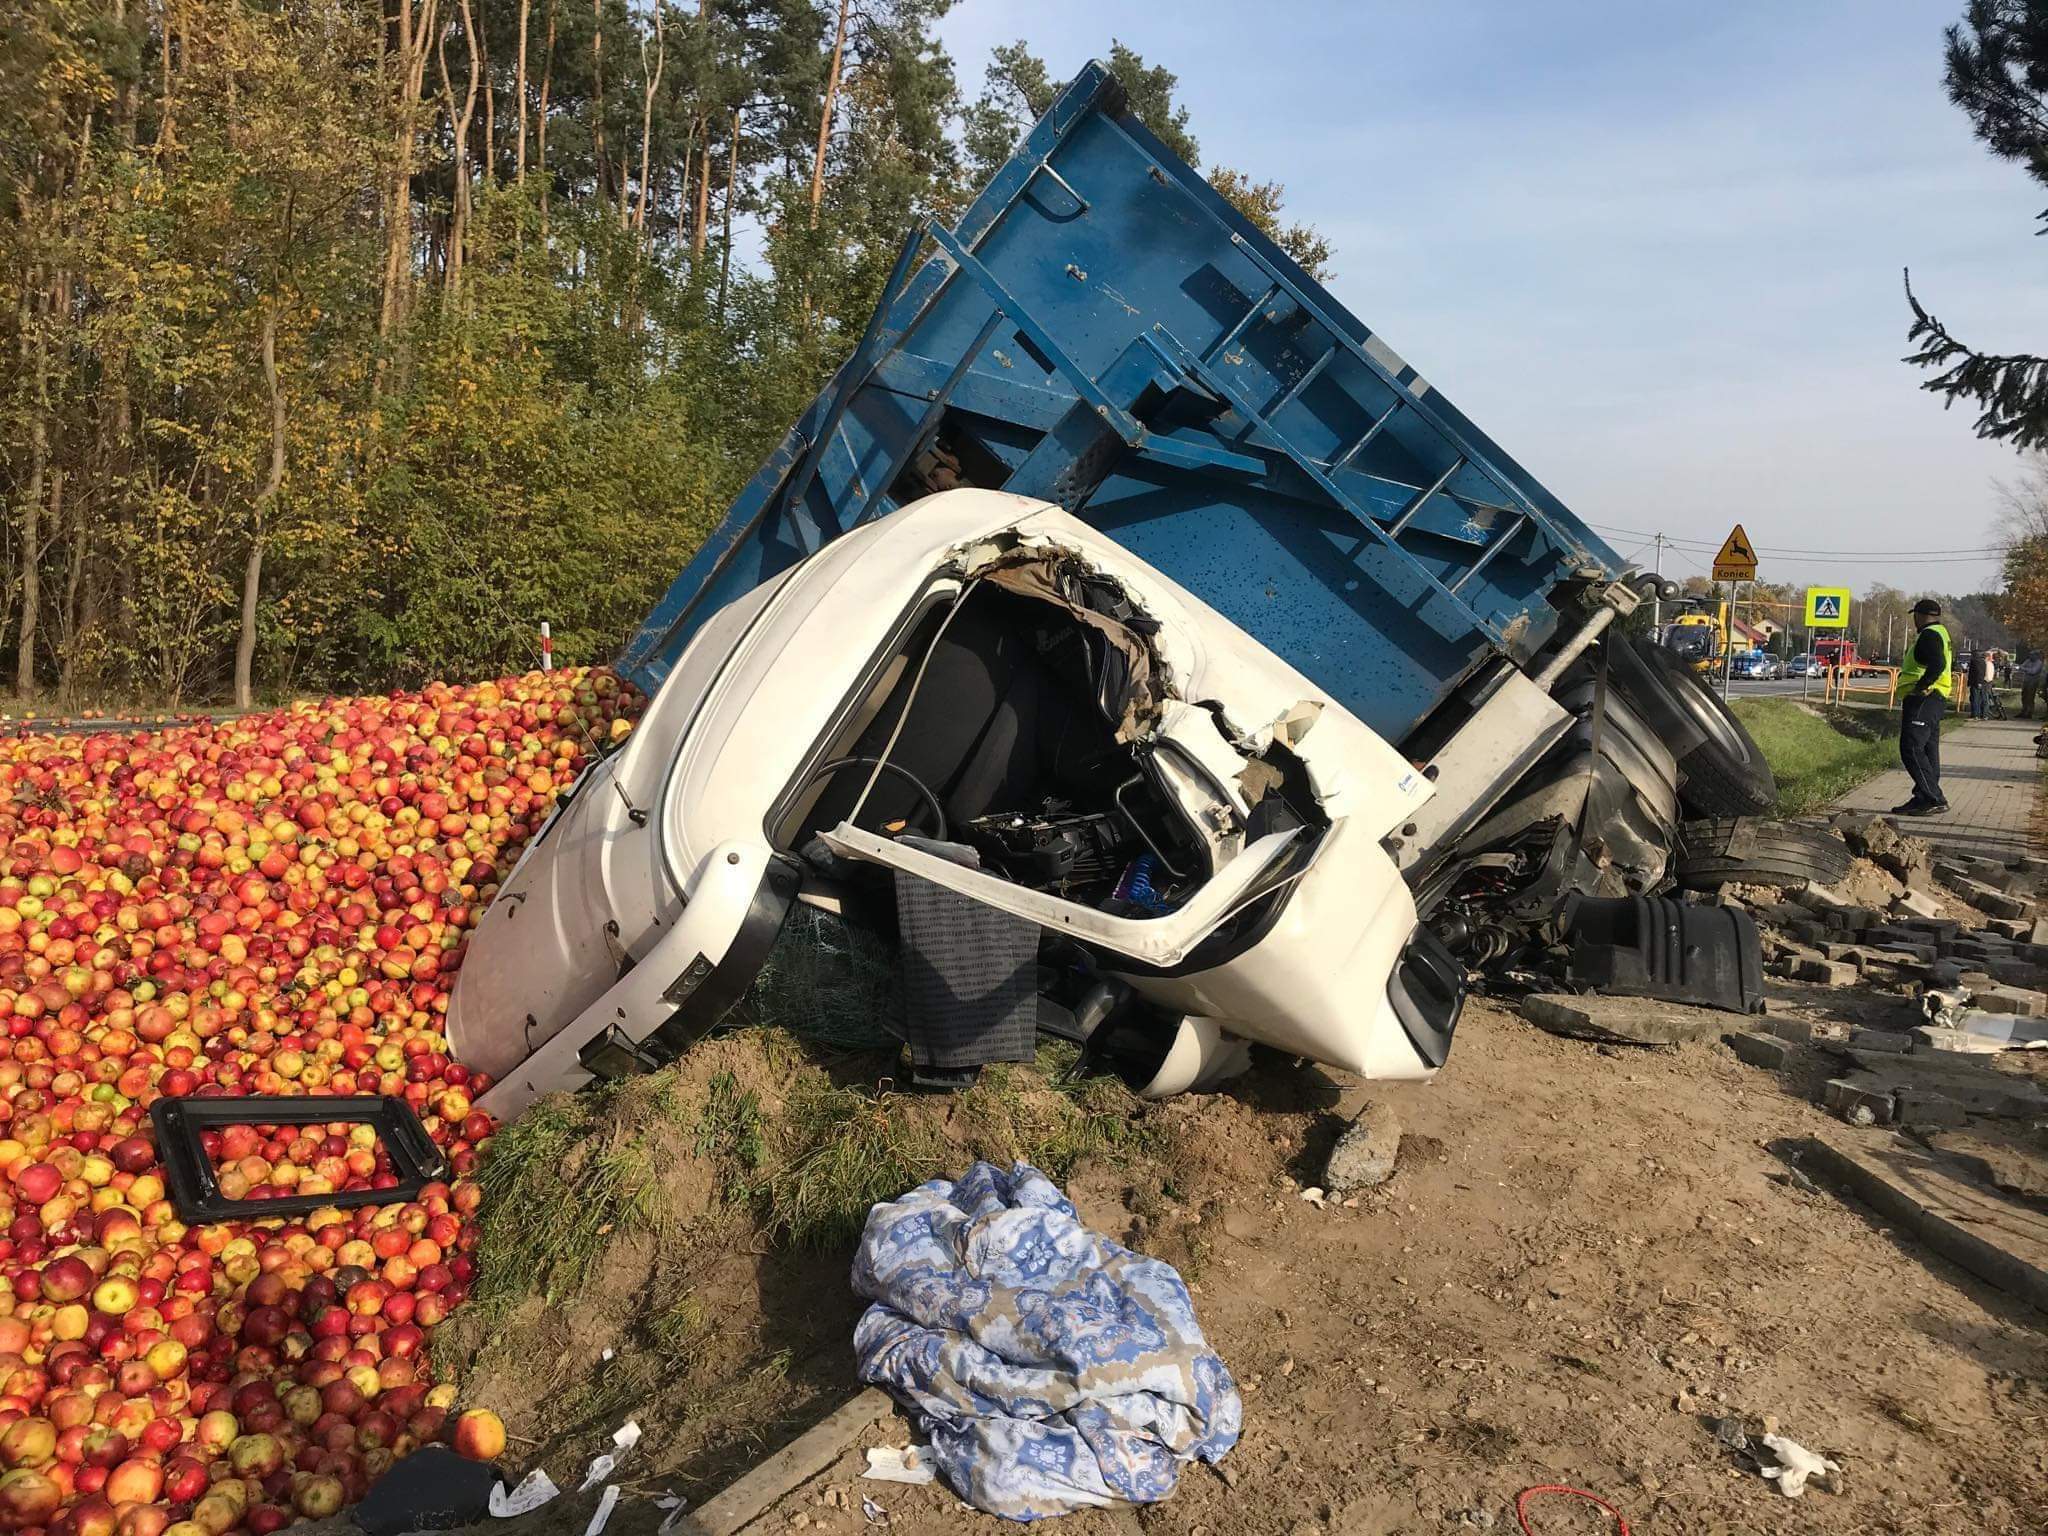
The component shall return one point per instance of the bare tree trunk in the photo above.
(683, 192)
(35, 357)
(825, 117)
(459, 123)
(701, 126)
(732, 161)
(412, 72)
(266, 498)
(480, 64)
(653, 79)
(519, 88)
(700, 226)
(540, 133)
(601, 162)
(166, 122)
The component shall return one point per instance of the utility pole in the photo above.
(1657, 601)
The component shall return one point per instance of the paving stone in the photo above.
(1892, 1042)
(2014, 1000)
(1992, 902)
(1858, 1105)
(1923, 1109)
(2010, 928)
(1821, 898)
(1936, 928)
(1806, 1031)
(1932, 1037)
(1992, 872)
(1827, 973)
(1916, 904)
(1621, 1020)
(1759, 1050)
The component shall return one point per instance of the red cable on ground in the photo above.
(1522, 1505)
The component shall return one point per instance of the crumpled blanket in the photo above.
(1053, 1369)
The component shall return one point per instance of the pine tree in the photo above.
(1997, 73)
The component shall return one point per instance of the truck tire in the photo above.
(1744, 850)
(1721, 771)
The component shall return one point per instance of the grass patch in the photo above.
(565, 1177)
(1818, 753)
(848, 1150)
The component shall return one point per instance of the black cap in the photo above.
(1928, 605)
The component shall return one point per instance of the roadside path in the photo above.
(1991, 776)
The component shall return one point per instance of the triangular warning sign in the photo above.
(1737, 559)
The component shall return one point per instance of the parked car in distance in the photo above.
(1757, 666)
(1806, 664)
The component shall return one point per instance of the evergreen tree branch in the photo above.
(2012, 388)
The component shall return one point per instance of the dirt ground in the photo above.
(1586, 1254)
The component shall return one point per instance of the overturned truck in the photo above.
(1124, 587)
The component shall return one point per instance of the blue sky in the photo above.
(1653, 249)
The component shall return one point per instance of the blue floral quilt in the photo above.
(1052, 1368)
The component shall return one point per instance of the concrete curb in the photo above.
(741, 1503)
(1937, 1201)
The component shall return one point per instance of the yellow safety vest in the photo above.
(1910, 668)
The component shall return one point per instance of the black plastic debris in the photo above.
(195, 1191)
(432, 1490)
(1653, 946)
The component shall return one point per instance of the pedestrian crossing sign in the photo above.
(1827, 607)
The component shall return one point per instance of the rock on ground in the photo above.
(1366, 1152)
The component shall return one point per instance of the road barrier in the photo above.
(1838, 685)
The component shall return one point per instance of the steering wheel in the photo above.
(931, 801)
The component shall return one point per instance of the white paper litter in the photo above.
(900, 1464)
(534, 1490)
(608, 1502)
(1796, 1464)
(601, 1467)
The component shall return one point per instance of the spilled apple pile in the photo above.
(270, 905)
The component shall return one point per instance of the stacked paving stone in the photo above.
(1966, 991)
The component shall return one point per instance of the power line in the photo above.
(1707, 546)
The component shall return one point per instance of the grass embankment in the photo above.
(675, 1246)
(1819, 752)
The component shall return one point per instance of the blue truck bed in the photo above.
(1103, 331)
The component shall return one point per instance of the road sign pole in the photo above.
(1728, 641)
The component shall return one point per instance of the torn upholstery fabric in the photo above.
(1053, 1369)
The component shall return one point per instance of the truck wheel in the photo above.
(1743, 850)
(1721, 771)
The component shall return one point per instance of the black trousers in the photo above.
(1920, 744)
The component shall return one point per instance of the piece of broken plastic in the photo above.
(876, 1515)
(900, 1464)
(607, 1502)
(534, 1490)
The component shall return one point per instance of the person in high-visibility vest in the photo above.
(1927, 677)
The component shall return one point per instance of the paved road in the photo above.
(1744, 688)
(1991, 777)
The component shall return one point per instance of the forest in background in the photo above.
(346, 340)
